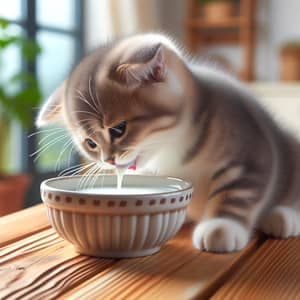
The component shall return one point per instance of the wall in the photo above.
(106, 19)
(277, 22)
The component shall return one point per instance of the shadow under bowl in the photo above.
(117, 223)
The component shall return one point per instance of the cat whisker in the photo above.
(85, 179)
(100, 170)
(46, 147)
(81, 179)
(70, 154)
(102, 179)
(85, 175)
(96, 176)
(49, 143)
(45, 130)
(58, 161)
(78, 170)
(87, 119)
(71, 168)
(89, 104)
(48, 136)
(91, 94)
(81, 97)
(86, 112)
(98, 100)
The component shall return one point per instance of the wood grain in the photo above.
(202, 31)
(43, 266)
(22, 224)
(178, 271)
(273, 272)
(204, 23)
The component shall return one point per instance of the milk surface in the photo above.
(123, 190)
(126, 190)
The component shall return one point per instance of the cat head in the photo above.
(123, 101)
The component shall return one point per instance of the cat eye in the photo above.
(91, 143)
(117, 131)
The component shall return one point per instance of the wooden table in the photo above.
(35, 263)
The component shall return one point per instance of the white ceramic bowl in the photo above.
(117, 225)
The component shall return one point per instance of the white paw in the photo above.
(220, 235)
(282, 222)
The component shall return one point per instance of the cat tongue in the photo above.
(133, 166)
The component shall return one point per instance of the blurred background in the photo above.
(42, 40)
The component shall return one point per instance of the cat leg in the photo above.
(220, 235)
(231, 211)
(282, 222)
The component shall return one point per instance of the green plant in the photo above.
(212, 1)
(21, 92)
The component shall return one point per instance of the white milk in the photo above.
(120, 175)
(119, 190)
(126, 190)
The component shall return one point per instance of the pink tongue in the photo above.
(132, 167)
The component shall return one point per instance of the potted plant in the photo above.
(216, 10)
(290, 61)
(18, 95)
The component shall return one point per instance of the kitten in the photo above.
(140, 101)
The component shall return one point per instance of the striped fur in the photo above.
(189, 120)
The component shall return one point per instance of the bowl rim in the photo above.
(44, 185)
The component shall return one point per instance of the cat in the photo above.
(140, 100)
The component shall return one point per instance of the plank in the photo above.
(273, 272)
(42, 266)
(221, 23)
(178, 271)
(22, 223)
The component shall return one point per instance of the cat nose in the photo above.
(110, 160)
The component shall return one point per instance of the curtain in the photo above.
(107, 19)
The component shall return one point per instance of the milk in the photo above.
(126, 190)
(120, 175)
(121, 190)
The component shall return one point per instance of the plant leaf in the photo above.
(29, 49)
(21, 92)
(24, 78)
(3, 23)
(7, 40)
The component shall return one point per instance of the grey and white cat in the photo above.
(139, 100)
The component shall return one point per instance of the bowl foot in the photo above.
(116, 253)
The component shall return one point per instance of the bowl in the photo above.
(104, 221)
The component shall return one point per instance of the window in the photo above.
(59, 33)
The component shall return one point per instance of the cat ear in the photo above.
(51, 109)
(153, 70)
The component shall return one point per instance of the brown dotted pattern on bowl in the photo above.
(120, 203)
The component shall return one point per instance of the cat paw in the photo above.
(282, 222)
(220, 235)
